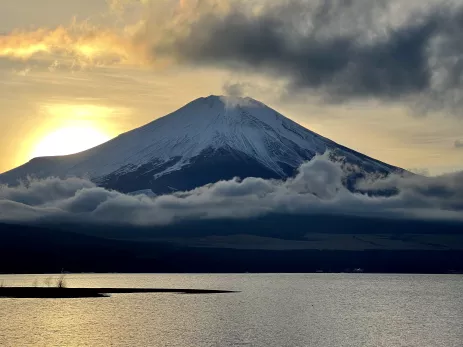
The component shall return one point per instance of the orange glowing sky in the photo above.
(77, 73)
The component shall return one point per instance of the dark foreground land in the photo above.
(270, 244)
(55, 292)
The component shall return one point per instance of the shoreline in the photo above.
(57, 292)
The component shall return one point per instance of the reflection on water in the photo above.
(271, 310)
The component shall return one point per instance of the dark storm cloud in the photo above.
(342, 49)
(316, 189)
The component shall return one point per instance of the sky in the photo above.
(382, 77)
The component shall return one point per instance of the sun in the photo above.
(72, 128)
(69, 140)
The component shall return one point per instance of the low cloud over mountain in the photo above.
(317, 189)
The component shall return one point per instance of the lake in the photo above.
(270, 310)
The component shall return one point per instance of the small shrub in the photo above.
(61, 283)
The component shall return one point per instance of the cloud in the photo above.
(85, 43)
(458, 144)
(122, 40)
(317, 189)
(234, 89)
(23, 72)
(339, 50)
(419, 171)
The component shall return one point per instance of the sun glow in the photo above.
(69, 141)
(73, 128)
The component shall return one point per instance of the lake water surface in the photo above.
(270, 310)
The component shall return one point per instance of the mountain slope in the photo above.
(205, 141)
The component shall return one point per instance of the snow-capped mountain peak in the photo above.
(207, 140)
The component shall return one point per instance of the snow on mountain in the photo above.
(207, 140)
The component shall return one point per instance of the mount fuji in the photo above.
(210, 139)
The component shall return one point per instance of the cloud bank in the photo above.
(317, 189)
(341, 50)
(82, 43)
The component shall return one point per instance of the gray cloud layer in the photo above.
(338, 49)
(316, 189)
(388, 49)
